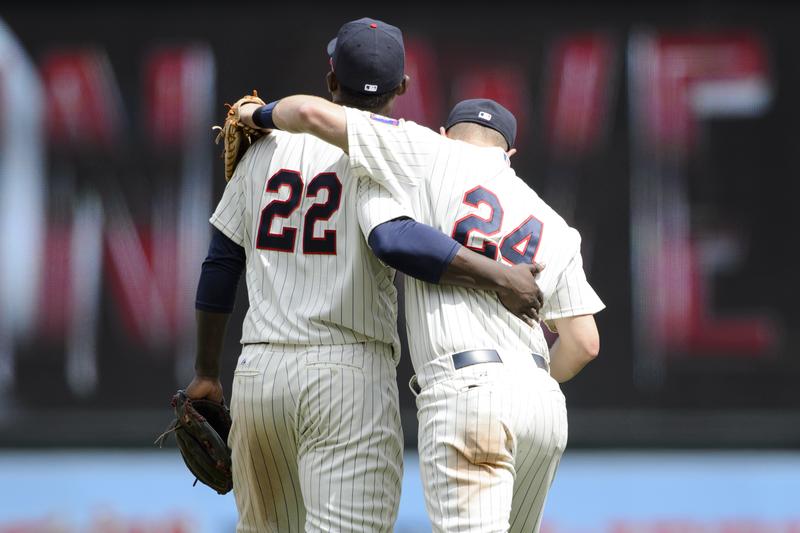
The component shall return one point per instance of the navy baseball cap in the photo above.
(486, 113)
(368, 57)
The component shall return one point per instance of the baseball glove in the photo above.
(236, 137)
(201, 430)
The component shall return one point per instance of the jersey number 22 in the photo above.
(284, 241)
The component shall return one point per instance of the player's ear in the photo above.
(332, 82)
(442, 131)
(403, 87)
(511, 152)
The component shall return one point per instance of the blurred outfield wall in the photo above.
(666, 134)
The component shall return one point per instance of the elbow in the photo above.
(381, 243)
(590, 348)
(310, 116)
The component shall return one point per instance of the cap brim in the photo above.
(332, 47)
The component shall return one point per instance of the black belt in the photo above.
(473, 357)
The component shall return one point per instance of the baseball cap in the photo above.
(367, 56)
(486, 113)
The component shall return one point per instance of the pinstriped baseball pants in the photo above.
(316, 438)
(491, 436)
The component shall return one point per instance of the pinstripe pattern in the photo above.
(298, 298)
(490, 439)
(432, 174)
(490, 435)
(316, 438)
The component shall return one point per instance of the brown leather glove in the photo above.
(236, 136)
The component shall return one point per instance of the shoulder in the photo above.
(280, 149)
(521, 190)
(522, 193)
(374, 121)
(424, 133)
(263, 145)
(284, 144)
(256, 155)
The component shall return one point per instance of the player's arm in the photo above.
(390, 151)
(422, 252)
(216, 294)
(570, 311)
(577, 345)
(300, 114)
(425, 253)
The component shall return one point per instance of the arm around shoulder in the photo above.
(300, 114)
(425, 253)
(314, 115)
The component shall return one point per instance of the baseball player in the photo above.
(492, 418)
(316, 439)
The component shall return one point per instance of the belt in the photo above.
(473, 357)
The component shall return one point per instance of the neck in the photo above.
(477, 141)
(385, 110)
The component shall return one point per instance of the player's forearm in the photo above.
(216, 295)
(305, 114)
(515, 286)
(578, 344)
(425, 253)
(210, 335)
(562, 367)
(475, 271)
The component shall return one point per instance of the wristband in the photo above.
(262, 117)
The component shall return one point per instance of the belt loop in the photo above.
(414, 386)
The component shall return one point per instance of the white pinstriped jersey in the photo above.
(311, 278)
(473, 194)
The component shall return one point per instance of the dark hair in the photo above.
(365, 102)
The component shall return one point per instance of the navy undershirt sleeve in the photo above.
(413, 248)
(216, 290)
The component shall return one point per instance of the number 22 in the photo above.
(285, 240)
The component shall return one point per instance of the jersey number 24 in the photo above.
(284, 241)
(519, 246)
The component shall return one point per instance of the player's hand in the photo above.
(208, 388)
(522, 295)
(246, 110)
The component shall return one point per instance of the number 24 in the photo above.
(519, 246)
